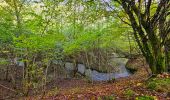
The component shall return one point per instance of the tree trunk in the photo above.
(149, 32)
(155, 57)
(167, 54)
(160, 63)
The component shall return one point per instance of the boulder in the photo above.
(81, 68)
(88, 72)
(69, 66)
(135, 64)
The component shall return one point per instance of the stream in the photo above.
(100, 76)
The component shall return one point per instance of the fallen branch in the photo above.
(8, 88)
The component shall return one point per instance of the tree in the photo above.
(15, 8)
(150, 22)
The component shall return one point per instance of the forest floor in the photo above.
(134, 87)
(128, 88)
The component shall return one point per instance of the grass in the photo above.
(159, 84)
(129, 93)
(145, 98)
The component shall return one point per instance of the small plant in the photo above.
(107, 98)
(151, 85)
(3, 62)
(161, 85)
(111, 80)
(145, 98)
(54, 91)
(129, 93)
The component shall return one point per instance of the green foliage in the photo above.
(158, 84)
(145, 98)
(33, 47)
(48, 30)
(152, 85)
(6, 27)
(129, 93)
(3, 61)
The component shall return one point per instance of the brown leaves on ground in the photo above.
(117, 89)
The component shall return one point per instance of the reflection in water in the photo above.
(98, 76)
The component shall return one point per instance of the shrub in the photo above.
(151, 85)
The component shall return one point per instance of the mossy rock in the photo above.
(131, 65)
(135, 64)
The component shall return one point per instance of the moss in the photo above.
(159, 84)
(151, 85)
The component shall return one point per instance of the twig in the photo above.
(8, 88)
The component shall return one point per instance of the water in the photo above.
(98, 76)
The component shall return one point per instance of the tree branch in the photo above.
(117, 12)
(158, 11)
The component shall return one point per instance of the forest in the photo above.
(85, 49)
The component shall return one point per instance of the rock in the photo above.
(88, 72)
(57, 62)
(69, 66)
(81, 68)
(69, 74)
(133, 65)
(15, 60)
(21, 64)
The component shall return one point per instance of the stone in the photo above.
(81, 68)
(57, 62)
(21, 64)
(88, 72)
(69, 66)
